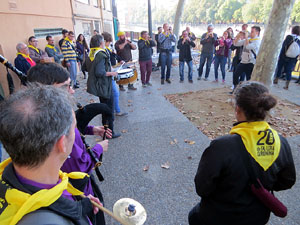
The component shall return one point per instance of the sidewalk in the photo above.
(152, 123)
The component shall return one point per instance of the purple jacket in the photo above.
(224, 49)
(80, 160)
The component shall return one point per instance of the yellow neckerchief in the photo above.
(20, 203)
(93, 53)
(67, 39)
(34, 48)
(147, 41)
(254, 39)
(108, 48)
(260, 140)
(52, 47)
(25, 56)
(166, 35)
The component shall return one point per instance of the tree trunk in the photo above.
(150, 18)
(272, 41)
(178, 15)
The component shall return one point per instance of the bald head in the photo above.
(22, 48)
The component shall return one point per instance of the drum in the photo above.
(127, 76)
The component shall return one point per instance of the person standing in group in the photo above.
(159, 29)
(229, 64)
(113, 60)
(185, 56)
(52, 50)
(35, 53)
(124, 47)
(286, 60)
(173, 42)
(208, 47)
(64, 33)
(165, 40)
(82, 51)
(70, 57)
(223, 179)
(23, 62)
(223, 44)
(250, 50)
(145, 45)
(191, 35)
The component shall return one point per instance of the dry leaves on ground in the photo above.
(174, 142)
(166, 165)
(189, 142)
(124, 131)
(146, 168)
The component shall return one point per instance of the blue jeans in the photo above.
(288, 65)
(73, 71)
(181, 69)
(116, 96)
(229, 59)
(220, 60)
(205, 57)
(166, 60)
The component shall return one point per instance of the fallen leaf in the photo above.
(146, 168)
(131, 110)
(124, 131)
(159, 89)
(165, 165)
(129, 105)
(130, 101)
(190, 157)
(189, 142)
(149, 93)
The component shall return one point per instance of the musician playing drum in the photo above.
(79, 159)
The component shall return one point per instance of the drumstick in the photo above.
(108, 212)
(121, 66)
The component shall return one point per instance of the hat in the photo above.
(120, 33)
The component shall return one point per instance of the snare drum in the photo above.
(127, 76)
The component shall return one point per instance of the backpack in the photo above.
(294, 49)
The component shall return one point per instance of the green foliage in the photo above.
(295, 17)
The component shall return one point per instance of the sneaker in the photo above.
(162, 81)
(75, 86)
(181, 81)
(168, 81)
(205, 79)
(223, 81)
(144, 85)
(148, 84)
(122, 88)
(131, 87)
(199, 78)
(122, 114)
(191, 81)
(216, 81)
(115, 135)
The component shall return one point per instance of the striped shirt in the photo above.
(68, 50)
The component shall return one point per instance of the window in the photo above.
(43, 32)
(106, 5)
(84, 1)
(107, 27)
(86, 29)
(97, 26)
(95, 3)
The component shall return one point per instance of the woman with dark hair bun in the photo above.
(223, 177)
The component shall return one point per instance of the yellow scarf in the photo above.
(166, 35)
(34, 48)
(52, 47)
(253, 39)
(260, 140)
(147, 41)
(93, 53)
(108, 48)
(17, 203)
(71, 42)
(25, 56)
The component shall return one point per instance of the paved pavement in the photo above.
(152, 123)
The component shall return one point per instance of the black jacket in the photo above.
(22, 64)
(185, 50)
(285, 45)
(98, 83)
(145, 50)
(75, 212)
(222, 181)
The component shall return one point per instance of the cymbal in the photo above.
(130, 211)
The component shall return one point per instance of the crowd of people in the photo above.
(50, 164)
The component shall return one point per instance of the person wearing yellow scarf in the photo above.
(52, 50)
(94, 51)
(31, 180)
(223, 179)
(35, 53)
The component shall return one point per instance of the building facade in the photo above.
(20, 19)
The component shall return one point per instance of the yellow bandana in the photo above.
(93, 53)
(147, 41)
(52, 47)
(20, 203)
(166, 35)
(260, 140)
(34, 48)
(108, 49)
(253, 39)
(25, 56)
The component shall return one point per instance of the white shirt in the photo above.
(247, 54)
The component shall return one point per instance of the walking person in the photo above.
(208, 47)
(145, 45)
(250, 50)
(223, 178)
(82, 50)
(70, 57)
(165, 39)
(184, 45)
(288, 61)
(223, 44)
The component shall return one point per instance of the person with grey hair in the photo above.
(23, 62)
(40, 138)
(208, 40)
(99, 82)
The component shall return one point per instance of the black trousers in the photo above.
(107, 119)
(242, 68)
